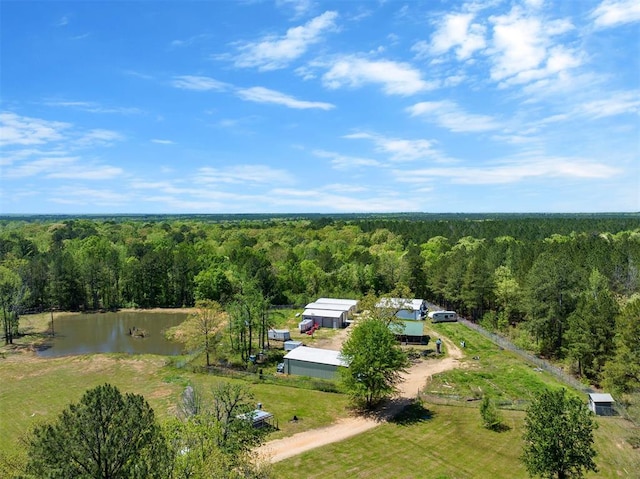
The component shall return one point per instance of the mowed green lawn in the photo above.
(451, 444)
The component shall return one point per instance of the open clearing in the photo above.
(413, 381)
(441, 441)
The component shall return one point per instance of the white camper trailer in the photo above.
(443, 316)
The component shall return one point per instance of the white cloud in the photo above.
(300, 7)
(98, 136)
(399, 149)
(255, 174)
(265, 95)
(198, 83)
(92, 107)
(449, 115)
(87, 172)
(62, 167)
(162, 142)
(396, 78)
(81, 196)
(189, 41)
(319, 200)
(23, 130)
(617, 103)
(345, 162)
(39, 166)
(611, 13)
(273, 52)
(513, 172)
(455, 31)
(523, 49)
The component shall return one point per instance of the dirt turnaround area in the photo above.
(413, 380)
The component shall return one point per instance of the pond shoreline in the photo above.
(35, 328)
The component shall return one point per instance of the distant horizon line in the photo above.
(325, 214)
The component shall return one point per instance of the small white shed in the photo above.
(601, 404)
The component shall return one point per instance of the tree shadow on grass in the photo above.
(412, 413)
(501, 427)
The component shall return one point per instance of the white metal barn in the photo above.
(314, 362)
(352, 304)
(326, 318)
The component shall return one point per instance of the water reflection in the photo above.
(109, 333)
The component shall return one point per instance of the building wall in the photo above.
(314, 370)
(326, 322)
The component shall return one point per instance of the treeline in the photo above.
(563, 280)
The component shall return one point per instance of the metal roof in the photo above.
(598, 397)
(403, 303)
(322, 313)
(316, 355)
(350, 302)
(328, 306)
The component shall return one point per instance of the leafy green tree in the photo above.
(203, 329)
(375, 362)
(558, 437)
(12, 292)
(104, 436)
(622, 372)
(216, 437)
(549, 298)
(592, 326)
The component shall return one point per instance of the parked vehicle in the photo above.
(443, 316)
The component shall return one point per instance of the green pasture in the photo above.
(441, 441)
(447, 442)
(35, 390)
(503, 375)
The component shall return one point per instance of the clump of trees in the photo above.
(214, 438)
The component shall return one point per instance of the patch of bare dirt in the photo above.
(413, 381)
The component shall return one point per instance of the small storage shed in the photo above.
(601, 404)
(326, 318)
(314, 362)
(305, 325)
(279, 334)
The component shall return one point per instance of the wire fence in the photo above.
(544, 365)
(538, 362)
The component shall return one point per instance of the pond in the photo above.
(110, 333)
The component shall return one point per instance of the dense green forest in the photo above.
(562, 285)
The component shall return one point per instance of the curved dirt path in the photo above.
(414, 379)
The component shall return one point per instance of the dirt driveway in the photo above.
(414, 379)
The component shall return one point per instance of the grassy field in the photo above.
(501, 374)
(35, 389)
(447, 442)
(442, 442)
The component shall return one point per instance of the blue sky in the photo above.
(293, 106)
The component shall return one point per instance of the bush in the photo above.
(491, 417)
